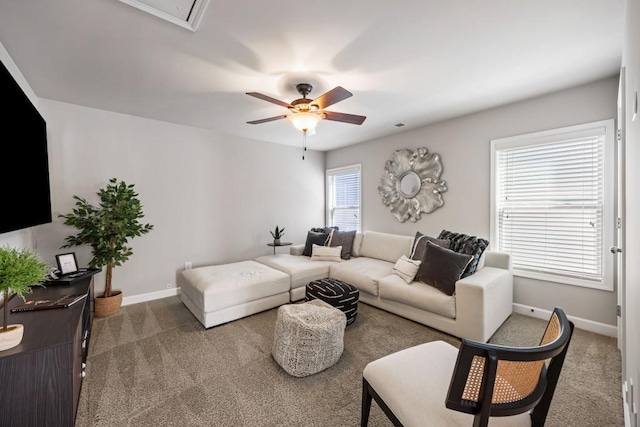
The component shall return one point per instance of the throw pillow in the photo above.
(314, 238)
(406, 268)
(326, 253)
(465, 244)
(420, 245)
(344, 239)
(324, 229)
(442, 268)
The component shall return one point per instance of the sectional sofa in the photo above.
(481, 303)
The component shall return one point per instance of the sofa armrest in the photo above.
(296, 249)
(484, 301)
(498, 260)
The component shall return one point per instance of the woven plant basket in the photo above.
(108, 306)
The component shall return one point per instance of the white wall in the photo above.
(464, 147)
(211, 198)
(631, 60)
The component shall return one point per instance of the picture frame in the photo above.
(67, 263)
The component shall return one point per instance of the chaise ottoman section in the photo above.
(218, 294)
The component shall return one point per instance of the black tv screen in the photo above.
(24, 170)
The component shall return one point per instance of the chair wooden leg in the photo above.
(481, 418)
(539, 413)
(366, 404)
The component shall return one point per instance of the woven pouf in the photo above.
(308, 337)
(336, 293)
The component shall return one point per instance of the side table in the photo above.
(274, 245)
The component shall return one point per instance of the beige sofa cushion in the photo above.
(363, 273)
(301, 268)
(384, 246)
(418, 295)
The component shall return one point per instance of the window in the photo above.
(553, 203)
(343, 197)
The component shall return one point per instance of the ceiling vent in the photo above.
(185, 13)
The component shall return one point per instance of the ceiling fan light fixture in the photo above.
(305, 121)
(306, 113)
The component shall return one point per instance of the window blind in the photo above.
(549, 206)
(343, 198)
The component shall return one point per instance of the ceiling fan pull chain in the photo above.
(304, 142)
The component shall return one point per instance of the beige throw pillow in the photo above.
(326, 253)
(406, 268)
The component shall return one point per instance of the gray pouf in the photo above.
(336, 293)
(308, 338)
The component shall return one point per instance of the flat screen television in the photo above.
(24, 169)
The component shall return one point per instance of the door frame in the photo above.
(620, 217)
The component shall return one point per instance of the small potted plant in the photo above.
(20, 269)
(277, 234)
(107, 228)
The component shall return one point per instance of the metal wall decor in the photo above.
(411, 184)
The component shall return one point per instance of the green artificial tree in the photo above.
(107, 227)
(20, 269)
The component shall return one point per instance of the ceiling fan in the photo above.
(306, 113)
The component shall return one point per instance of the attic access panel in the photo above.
(185, 13)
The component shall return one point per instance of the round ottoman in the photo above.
(308, 337)
(336, 293)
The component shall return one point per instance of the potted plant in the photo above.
(277, 234)
(20, 269)
(107, 228)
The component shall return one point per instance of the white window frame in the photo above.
(335, 171)
(605, 127)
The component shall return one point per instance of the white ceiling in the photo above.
(412, 61)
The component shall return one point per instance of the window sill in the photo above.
(600, 285)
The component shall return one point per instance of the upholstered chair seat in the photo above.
(479, 384)
(415, 381)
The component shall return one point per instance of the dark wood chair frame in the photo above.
(539, 400)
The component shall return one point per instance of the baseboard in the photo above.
(586, 324)
(625, 405)
(135, 299)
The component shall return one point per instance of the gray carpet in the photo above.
(153, 364)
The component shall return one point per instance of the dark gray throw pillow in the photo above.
(344, 239)
(465, 244)
(442, 268)
(420, 245)
(314, 238)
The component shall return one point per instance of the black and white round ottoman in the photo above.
(336, 293)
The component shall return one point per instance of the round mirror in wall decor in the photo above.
(411, 183)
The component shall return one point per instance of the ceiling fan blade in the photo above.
(269, 99)
(336, 94)
(270, 119)
(343, 117)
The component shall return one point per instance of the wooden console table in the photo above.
(40, 379)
